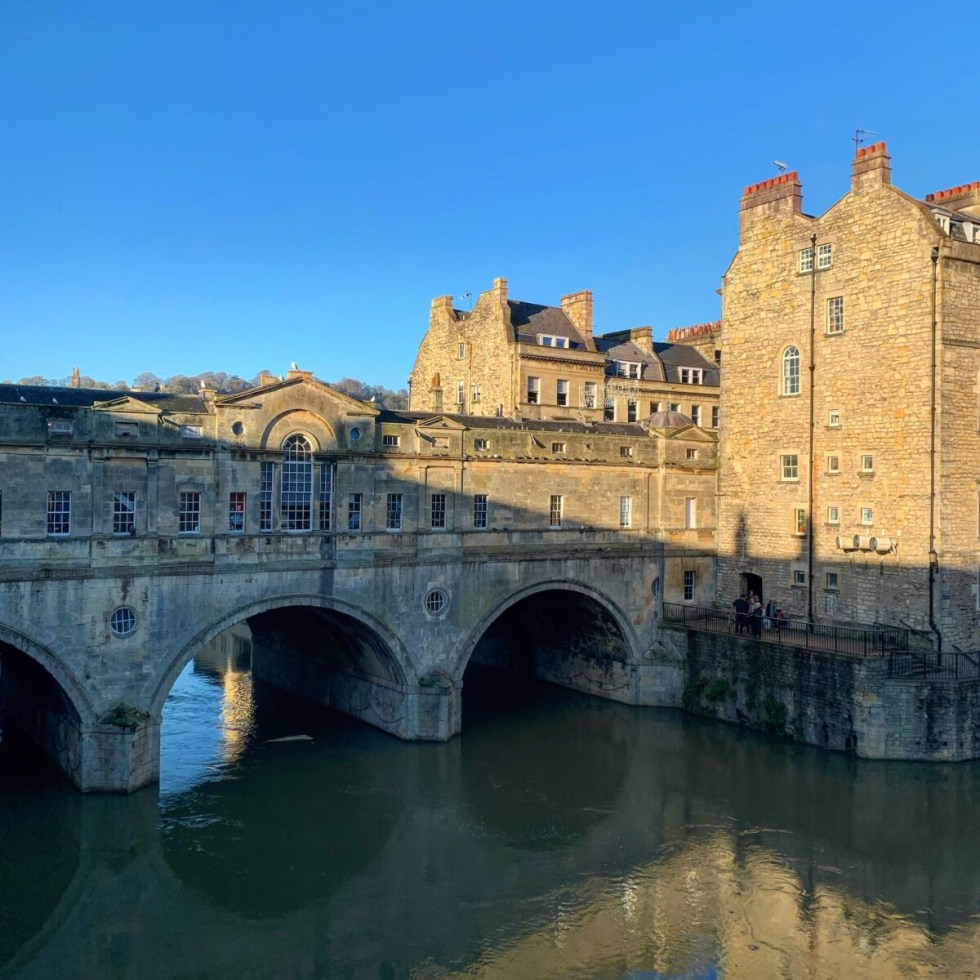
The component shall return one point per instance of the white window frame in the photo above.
(549, 340)
(393, 512)
(437, 511)
(833, 464)
(296, 484)
(806, 259)
(867, 463)
(825, 256)
(460, 392)
(236, 512)
(475, 394)
(355, 511)
(632, 410)
(326, 496)
(799, 522)
(627, 369)
(390, 441)
(835, 315)
(481, 509)
(691, 454)
(789, 467)
(715, 416)
(481, 445)
(625, 452)
(790, 372)
(609, 409)
(266, 492)
(556, 511)
(867, 516)
(561, 392)
(833, 514)
(590, 394)
(833, 418)
(798, 579)
(625, 511)
(124, 512)
(189, 512)
(558, 447)
(461, 351)
(690, 513)
(831, 581)
(696, 414)
(59, 513)
(692, 376)
(533, 390)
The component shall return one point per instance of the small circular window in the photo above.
(435, 601)
(355, 434)
(123, 621)
(238, 428)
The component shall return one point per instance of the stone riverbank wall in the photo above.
(849, 704)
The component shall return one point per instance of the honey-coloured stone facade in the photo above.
(851, 438)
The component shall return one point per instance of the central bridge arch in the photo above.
(561, 631)
(323, 649)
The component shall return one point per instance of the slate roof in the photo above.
(531, 319)
(527, 425)
(676, 356)
(627, 350)
(87, 397)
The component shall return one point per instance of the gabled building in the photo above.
(851, 439)
(524, 360)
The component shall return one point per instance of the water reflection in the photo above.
(558, 837)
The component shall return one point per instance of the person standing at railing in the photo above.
(741, 612)
(755, 617)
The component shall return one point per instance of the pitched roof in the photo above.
(676, 356)
(87, 397)
(531, 319)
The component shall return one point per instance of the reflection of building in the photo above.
(850, 343)
(509, 358)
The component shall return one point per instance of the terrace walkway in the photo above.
(909, 652)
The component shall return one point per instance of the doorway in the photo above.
(752, 585)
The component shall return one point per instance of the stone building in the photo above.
(851, 345)
(524, 360)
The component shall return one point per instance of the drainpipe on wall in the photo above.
(933, 555)
(811, 523)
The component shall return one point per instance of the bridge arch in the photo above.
(381, 681)
(582, 639)
(72, 687)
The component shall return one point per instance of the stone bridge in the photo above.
(381, 627)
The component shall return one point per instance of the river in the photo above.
(559, 836)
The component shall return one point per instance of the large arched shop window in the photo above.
(791, 371)
(296, 500)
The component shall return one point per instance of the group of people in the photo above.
(750, 616)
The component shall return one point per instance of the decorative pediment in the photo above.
(128, 405)
(442, 422)
(301, 388)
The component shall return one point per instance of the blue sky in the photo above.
(230, 186)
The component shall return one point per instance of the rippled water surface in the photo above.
(558, 837)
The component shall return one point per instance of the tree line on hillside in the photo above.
(225, 384)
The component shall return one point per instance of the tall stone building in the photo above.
(515, 359)
(851, 440)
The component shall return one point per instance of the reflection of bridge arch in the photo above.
(608, 608)
(392, 658)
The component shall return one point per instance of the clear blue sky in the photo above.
(198, 185)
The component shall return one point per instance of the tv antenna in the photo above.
(780, 166)
(860, 136)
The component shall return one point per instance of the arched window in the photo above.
(297, 485)
(791, 371)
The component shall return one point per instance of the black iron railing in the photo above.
(950, 665)
(857, 641)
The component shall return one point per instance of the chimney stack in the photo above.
(578, 308)
(963, 197)
(871, 167)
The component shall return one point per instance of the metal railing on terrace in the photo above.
(856, 641)
(907, 651)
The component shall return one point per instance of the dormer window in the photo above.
(627, 369)
(61, 427)
(548, 340)
(691, 376)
